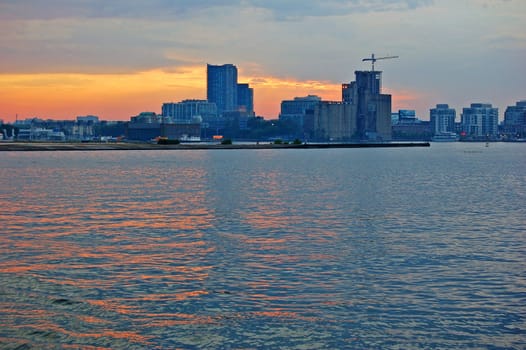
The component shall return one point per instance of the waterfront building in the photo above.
(85, 128)
(245, 98)
(331, 121)
(147, 126)
(144, 127)
(442, 119)
(40, 134)
(515, 120)
(409, 127)
(480, 121)
(394, 118)
(372, 108)
(407, 116)
(295, 110)
(221, 87)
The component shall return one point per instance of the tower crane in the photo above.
(374, 59)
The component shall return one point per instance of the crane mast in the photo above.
(373, 59)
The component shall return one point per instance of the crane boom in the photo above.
(374, 59)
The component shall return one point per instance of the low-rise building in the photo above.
(409, 128)
(148, 126)
(40, 134)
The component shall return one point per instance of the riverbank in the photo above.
(93, 146)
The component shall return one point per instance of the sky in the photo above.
(116, 58)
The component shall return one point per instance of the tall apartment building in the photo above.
(515, 120)
(515, 115)
(480, 120)
(222, 87)
(245, 98)
(372, 108)
(442, 119)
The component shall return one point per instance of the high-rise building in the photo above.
(480, 120)
(515, 120)
(372, 108)
(222, 87)
(515, 115)
(245, 98)
(442, 119)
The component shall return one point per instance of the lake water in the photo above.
(264, 249)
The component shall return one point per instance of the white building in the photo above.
(442, 119)
(480, 120)
(40, 134)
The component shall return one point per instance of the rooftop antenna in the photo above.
(374, 59)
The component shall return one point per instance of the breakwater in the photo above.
(93, 146)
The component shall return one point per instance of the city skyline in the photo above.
(62, 59)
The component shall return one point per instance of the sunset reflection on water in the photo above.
(203, 249)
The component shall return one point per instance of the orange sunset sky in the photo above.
(61, 59)
(119, 96)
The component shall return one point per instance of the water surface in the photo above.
(297, 249)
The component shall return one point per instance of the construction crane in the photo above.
(374, 59)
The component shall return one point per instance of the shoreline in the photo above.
(125, 146)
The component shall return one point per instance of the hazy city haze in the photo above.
(60, 58)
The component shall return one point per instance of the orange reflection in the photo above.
(113, 305)
(47, 326)
(176, 319)
(83, 347)
(92, 319)
(174, 296)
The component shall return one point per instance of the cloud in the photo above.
(295, 9)
(68, 45)
(53, 9)
(449, 45)
(169, 9)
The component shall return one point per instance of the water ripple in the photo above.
(317, 249)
